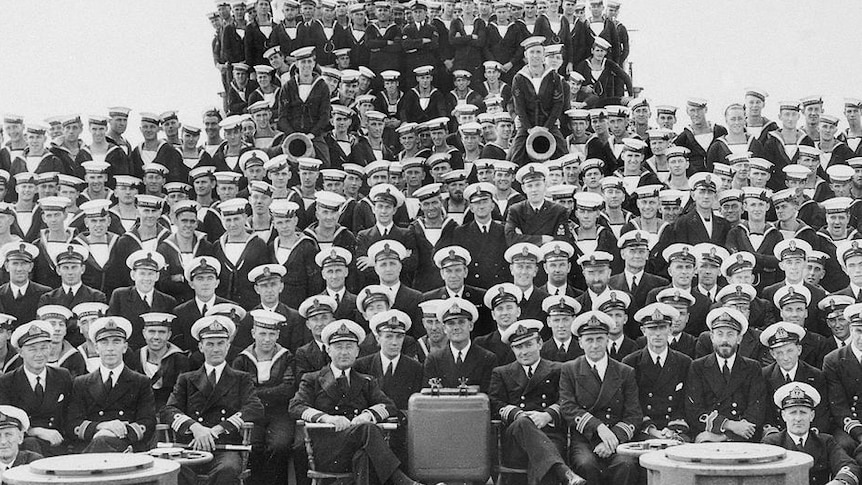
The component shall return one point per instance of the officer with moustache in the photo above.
(525, 396)
(661, 373)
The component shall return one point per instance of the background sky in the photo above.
(62, 56)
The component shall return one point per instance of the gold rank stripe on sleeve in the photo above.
(582, 421)
(554, 411)
(137, 429)
(509, 413)
(81, 430)
(179, 421)
(236, 420)
(379, 412)
(850, 423)
(312, 415)
(626, 428)
(846, 474)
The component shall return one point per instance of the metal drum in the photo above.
(96, 468)
(726, 464)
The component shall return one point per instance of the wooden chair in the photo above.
(318, 476)
(166, 439)
(498, 469)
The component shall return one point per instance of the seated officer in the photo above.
(271, 368)
(561, 347)
(40, 390)
(461, 360)
(503, 300)
(660, 372)
(112, 408)
(725, 392)
(399, 377)
(524, 394)
(142, 297)
(318, 311)
(784, 341)
(352, 402)
(209, 406)
(844, 383)
(594, 384)
(159, 359)
(14, 424)
(797, 402)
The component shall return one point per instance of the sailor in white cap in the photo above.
(160, 360)
(238, 252)
(538, 436)
(600, 434)
(210, 405)
(800, 404)
(738, 413)
(785, 341)
(661, 374)
(112, 408)
(14, 429)
(62, 354)
(42, 401)
(461, 362)
(271, 367)
(356, 414)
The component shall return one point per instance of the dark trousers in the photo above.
(360, 449)
(44, 448)
(614, 470)
(224, 469)
(525, 445)
(107, 444)
(845, 441)
(271, 440)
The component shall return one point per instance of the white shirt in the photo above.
(841, 343)
(530, 369)
(393, 289)
(527, 293)
(855, 290)
(272, 308)
(729, 361)
(791, 372)
(708, 293)
(19, 290)
(672, 339)
(200, 303)
(796, 438)
(73, 289)
(565, 344)
(557, 290)
(485, 228)
(601, 366)
(463, 351)
(707, 224)
(116, 373)
(618, 341)
(453, 294)
(385, 229)
(147, 297)
(338, 295)
(385, 361)
(630, 276)
(338, 372)
(662, 356)
(32, 378)
(218, 370)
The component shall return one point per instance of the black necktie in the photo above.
(634, 284)
(557, 292)
(859, 297)
(337, 300)
(211, 377)
(390, 371)
(109, 384)
(725, 371)
(460, 360)
(204, 310)
(40, 390)
(385, 232)
(596, 373)
(658, 362)
(614, 348)
(529, 372)
(844, 344)
(484, 229)
(343, 384)
(800, 446)
(69, 293)
(787, 379)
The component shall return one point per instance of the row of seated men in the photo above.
(451, 359)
